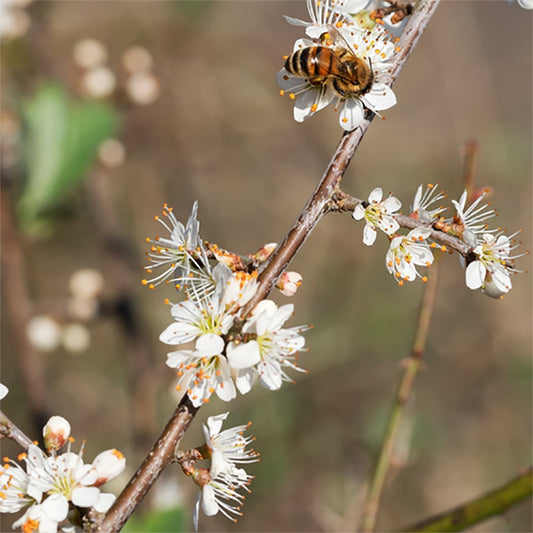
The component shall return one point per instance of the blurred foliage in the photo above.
(157, 522)
(61, 138)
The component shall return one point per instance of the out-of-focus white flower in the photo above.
(86, 283)
(273, 349)
(75, 338)
(111, 153)
(424, 199)
(137, 59)
(89, 53)
(98, 82)
(55, 433)
(469, 223)
(493, 264)
(44, 333)
(289, 282)
(143, 88)
(408, 251)
(377, 214)
(526, 4)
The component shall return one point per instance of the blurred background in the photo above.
(110, 109)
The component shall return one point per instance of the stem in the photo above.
(475, 511)
(9, 430)
(19, 310)
(412, 365)
(322, 200)
(155, 462)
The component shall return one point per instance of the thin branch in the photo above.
(411, 367)
(155, 462)
(19, 312)
(490, 504)
(322, 200)
(9, 430)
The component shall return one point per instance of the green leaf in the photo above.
(61, 138)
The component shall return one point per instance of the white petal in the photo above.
(226, 390)
(104, 503)
(358, 212)
(295, 21)
(210, 344)
(351, 114)
(209, 502)
(175, 359)
(243, 355)
(392, 204)
(56, 507)
(214, 423)
(270, 375)
(178, 333)
(281, 316)
(475, 275)
(375, 196)
(85, 496)
(196, 511)
(369, 235)
(245, 380)
(380, 97)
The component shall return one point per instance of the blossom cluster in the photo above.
(364, 47)
(226, 352)
(53, 485)
(488, 264)
(223, 479)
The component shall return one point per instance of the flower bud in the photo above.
(289, 282)
(265, 252)
(108, 465)
(55, 433)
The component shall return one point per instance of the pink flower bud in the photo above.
(55, 433)
(289, 282)
(108, 465)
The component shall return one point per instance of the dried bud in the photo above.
(289, 282)
(55, 433)
(108, 465)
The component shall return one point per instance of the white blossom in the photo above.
(493, 265)
(408, 251)
(377, 214)
(422, 204)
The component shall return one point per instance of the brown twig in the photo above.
(159, 457)
(9, 430)
(19, 312)
(320, 203)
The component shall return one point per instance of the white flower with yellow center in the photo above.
(377, 214)
(406, 252)
(271, 350)
(490, 270)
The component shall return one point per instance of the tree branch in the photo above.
(475, 511)
(322, 200)
(9, 430)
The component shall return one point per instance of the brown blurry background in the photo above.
(220, 133)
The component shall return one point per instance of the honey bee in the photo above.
(338, 68)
